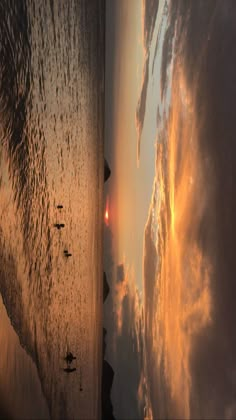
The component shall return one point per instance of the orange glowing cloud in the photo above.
(177, 302)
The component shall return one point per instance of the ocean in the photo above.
(51, 153)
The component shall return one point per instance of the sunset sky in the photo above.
(130, 186)
(162, 227)
(129, 189)
(170, 81)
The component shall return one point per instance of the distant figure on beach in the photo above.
(59, 225)
(60, 206)
(69, 357)
(67, 254)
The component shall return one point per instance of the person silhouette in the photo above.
(59, 225)
(69, 357)
(67, 254)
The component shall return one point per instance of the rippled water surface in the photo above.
(51, 152)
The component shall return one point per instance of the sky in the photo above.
(131, 183)
(169, 236)
(169, 246)
(129, 190)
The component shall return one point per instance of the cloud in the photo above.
(211, 52)
(150, 9)
(127, 348)
(120, 273)
(189, 300)
(124, 322)
(141, 106)
(108, 254)
(167, 50)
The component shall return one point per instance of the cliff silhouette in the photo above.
(107, 370)
(107, 171)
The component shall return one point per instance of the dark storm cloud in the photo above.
(205, 39)
(150, 9)
(214, 361)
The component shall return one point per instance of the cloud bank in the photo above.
(129, 347)
(189, 266)
(124, 322)
(150, 9)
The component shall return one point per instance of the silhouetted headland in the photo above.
(107, 381)
(106, 288)
(107, 371)
(104, 345)
(107, 171)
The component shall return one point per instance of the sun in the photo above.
(106, 214)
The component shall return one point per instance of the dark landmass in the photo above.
(106, 288)
(107, 371)
(107, 381)
(104, 345)
(107, 171)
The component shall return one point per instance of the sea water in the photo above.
(51, 153)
